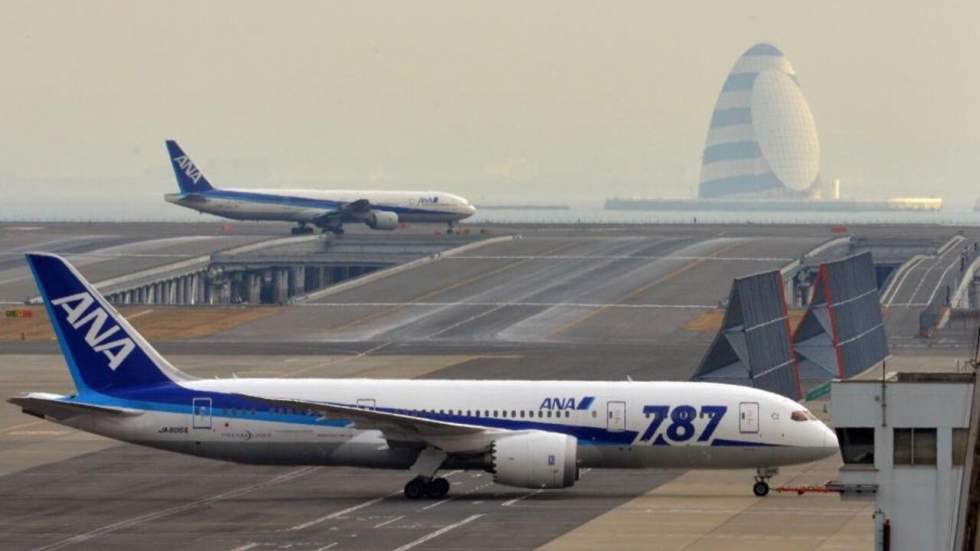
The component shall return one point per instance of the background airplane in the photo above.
(530, 434)
(325, 209)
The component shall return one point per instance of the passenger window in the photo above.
(504, 412)
(495, 413)
(593, 414)
(513, 413)
(568, 414)
(522, 414)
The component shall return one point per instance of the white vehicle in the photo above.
(529, 434)
(325, 209)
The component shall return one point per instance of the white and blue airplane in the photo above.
(325, 209)
(529, 434)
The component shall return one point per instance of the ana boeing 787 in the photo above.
(529, 434)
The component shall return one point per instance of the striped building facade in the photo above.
(762, 141)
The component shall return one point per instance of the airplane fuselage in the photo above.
(616, 424)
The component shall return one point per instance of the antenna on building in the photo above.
(884, 404)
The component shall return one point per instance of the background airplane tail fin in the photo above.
(103, 352)
(189, 177)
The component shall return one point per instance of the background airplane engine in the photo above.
(382, 220)
(535, 460)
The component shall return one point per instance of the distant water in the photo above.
(597, 215)
(151, 207)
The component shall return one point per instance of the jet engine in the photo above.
(381, 220)
(535, 459)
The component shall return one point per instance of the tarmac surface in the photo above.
(560, 303)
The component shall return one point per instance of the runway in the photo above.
(604, 304)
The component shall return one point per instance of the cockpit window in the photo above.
(799, 415)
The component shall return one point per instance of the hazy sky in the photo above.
(565, 101)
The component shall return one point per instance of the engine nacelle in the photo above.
(535, 459)
(381, 220)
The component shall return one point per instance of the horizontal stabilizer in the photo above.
(59, 408)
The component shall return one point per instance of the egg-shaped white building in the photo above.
(762, 141)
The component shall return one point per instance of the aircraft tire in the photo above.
(415, 489)
(760, 489)
(437, 488)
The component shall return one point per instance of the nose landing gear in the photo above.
(420, 487)
(762, 476)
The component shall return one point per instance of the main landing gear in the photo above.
(421, 487)
(426, 483)
(302, 229)
(762, 476)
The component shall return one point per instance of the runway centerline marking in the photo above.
(439, 532)
(142, 519)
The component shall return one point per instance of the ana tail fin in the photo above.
(189, 177)
(101, 349)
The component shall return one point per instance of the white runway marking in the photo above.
(512, 502)
(246, 547)
(898, 285)
(331, 516)
(138, 314)
(623, 257)
(942, 279)
(518, 304)
(136, 521)
(389, 521)
(438, 533)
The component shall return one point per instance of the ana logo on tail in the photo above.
(187, 165)
(79, 313)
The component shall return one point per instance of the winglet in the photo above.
(189, 177)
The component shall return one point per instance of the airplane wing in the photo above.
(400, 426)
(58, 408)
(355, 210)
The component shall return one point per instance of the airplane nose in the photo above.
(469, 210)
(830, 441)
